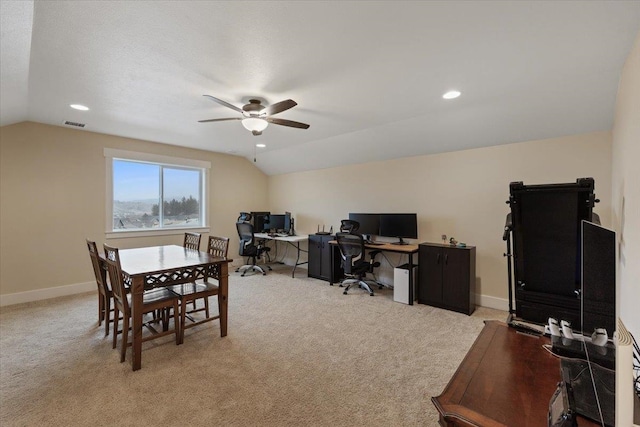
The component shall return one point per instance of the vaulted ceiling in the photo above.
(367, 76)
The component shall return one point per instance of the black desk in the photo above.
(409, 250)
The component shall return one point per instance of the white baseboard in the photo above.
(78, 288)
(492, 302)
(40, 294)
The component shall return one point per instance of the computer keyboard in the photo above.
(375, 243)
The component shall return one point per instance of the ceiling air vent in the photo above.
(75, 124)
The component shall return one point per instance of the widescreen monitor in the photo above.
(400, 225)
(259, 220)
(287, 223)
(598, 294)
(276, 222)
(369, 223)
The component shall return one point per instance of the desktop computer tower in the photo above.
(401, 283)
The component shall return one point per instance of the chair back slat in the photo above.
(192, 241)
(218, 246)
(114, 269)
(98, 271)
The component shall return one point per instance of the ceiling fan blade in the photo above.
(219, 120)
(225, 103)
(279, 107)
(289, 123)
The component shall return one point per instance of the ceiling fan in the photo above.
(256, 117)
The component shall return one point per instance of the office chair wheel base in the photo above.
(345, 292)
(264, 274)
(371, 294)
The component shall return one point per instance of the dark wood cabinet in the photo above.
(447, 277)
(320, 255)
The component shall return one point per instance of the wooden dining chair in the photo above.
(105, 296)
(157, 299)
(191, 292)
(192, 241)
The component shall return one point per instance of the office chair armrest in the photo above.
(373, 254)
(348, 264)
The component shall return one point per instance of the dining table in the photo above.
(161, 266)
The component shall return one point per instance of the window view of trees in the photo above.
(138, 187)
(175, 207)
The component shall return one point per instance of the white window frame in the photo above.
(112, 154)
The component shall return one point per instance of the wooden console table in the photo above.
(506, 379)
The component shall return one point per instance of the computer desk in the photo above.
(409, 250)
(292, 240)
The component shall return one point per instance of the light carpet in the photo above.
(298, 352)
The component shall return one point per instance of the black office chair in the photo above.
(354, 263)
(249, 248)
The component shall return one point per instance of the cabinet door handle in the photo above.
(446, 259)
(438, 259)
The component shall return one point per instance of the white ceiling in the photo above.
(368, 76)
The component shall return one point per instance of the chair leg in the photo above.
(165, 319)
(364, 285)
(116, 322)
(206, 306)
(125, 336)
(100, 308)
(107, 311)
(177, 322)
(183, 319)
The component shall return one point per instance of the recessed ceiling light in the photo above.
(79, 107)
(451, 94)
(261, 145)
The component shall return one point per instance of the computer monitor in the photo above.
(598, 294)
(287, 223)
(276, 222)
(369, 223)
(403, 225)
(259, 220)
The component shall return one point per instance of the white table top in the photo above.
(297, 238)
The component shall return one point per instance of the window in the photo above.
(152, 193)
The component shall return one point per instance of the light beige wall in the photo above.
(460, 194)
(626, 190)
(52, 197)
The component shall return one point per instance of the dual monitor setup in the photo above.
(400, 225)
(266, 222)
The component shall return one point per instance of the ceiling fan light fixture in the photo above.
(452, 94)
(255, 124)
